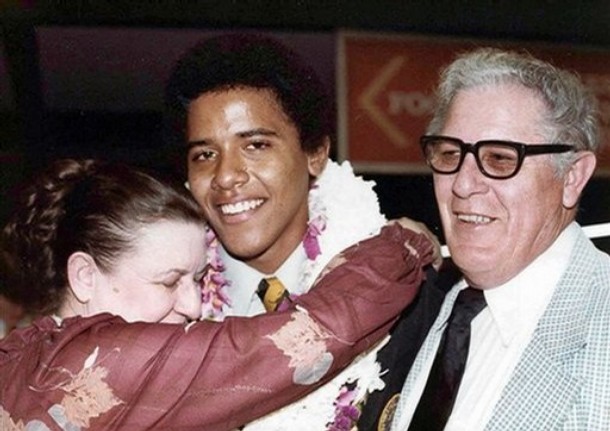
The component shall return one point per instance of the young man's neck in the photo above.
(270, 261)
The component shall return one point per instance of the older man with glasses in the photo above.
(522, 341)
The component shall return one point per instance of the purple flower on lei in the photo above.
(314, 228)
(346, 413)
(213, 292)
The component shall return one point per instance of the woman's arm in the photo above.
(103, 373)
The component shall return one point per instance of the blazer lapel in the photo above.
(428, 349)
(542, 388)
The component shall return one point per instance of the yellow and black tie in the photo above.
(274, 295)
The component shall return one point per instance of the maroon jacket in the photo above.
(101, 373)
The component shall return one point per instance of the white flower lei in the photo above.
(348, 210)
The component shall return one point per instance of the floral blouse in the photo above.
(102, 373)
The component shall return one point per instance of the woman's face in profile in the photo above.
(160, 279)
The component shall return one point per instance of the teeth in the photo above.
(239, 207)
(476, 219)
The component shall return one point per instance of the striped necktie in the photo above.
(274, 295)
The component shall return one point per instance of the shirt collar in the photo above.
(245, 279)
(521, 301)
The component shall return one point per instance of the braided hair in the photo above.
(79, 205)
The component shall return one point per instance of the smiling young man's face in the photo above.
(247, 170)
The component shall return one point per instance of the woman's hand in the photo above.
(420, 227)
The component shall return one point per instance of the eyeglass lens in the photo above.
(495, 159)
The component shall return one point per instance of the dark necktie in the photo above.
(436, 402)
(274, 295)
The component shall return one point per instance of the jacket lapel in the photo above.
(428, 349)
(542, 387)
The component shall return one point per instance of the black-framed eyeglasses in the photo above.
(495, 158)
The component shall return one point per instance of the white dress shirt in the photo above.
(245, 279)
(500, 334)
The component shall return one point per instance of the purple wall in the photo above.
(124, 69)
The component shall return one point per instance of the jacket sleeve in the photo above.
(217, 376)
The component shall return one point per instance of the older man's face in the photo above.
(495, 228)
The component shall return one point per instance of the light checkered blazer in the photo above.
(562, 381)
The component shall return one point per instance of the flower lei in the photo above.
(343, 209)
(213, 293)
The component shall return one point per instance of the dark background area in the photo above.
(39, 122)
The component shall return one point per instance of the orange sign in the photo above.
(386, 85)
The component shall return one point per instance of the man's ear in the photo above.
(316, 160)
(82, 276)
(577, 177)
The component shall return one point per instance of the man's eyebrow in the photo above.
(258, 131)
(196, 143)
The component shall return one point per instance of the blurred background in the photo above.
(85, 78)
